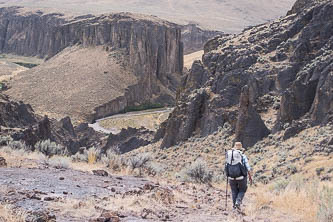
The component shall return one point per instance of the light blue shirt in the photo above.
(246, 162)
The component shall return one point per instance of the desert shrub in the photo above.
(325, 210)
(197, 172)
(4, 140)
(113, 160)
(18, 145)
(80, 157)
(59, 162)
(280, 185)
(154, 169)
(6, 149)
(292, 169)
(49, 148)
(296, 183)
(219, 177)
(139, 161)
(9, 213)
(92, 155)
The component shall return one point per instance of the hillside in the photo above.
(227, 16)
(73, 83)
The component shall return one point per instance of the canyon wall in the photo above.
(151, 47)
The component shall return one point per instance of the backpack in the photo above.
(235, 166)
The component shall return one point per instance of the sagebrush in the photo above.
(197, 172)
(49, 148)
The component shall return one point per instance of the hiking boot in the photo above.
(237, 206)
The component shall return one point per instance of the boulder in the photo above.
(101, 173)
(107, 216)
(3, 162)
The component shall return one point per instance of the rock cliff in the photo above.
(286, 64)
(151, 50)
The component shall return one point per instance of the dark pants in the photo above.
(238, 189)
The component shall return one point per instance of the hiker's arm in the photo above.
(247, 165)
(250, 176)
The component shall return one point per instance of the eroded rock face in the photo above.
(184, 120)
(249, 128)
(289, 58)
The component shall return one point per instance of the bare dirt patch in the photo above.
(190, 58)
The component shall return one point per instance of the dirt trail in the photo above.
(72, 195)
(97, 126)
(34, 189)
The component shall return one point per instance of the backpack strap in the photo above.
(243, 161)
(232, 156)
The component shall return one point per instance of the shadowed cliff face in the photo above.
(150, 49)
(287, 66)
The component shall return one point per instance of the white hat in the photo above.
(239, 146)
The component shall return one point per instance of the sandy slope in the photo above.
(225, 15)
(76, 81)
(9, 68)
(190, 58)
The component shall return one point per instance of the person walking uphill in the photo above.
(237, 169)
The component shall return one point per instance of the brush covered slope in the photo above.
(103, 64)
(286, 66)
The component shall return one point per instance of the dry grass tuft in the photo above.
(59, 162)
(92, 155)
(309, 201)
(8, 214)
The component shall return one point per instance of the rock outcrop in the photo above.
(290, 58)
(15, 114)
(19, 121)
(128, 140)
(151, 47)
(194, 38)
(249, 127)
(3, 162)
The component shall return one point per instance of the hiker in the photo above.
(237, 169)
